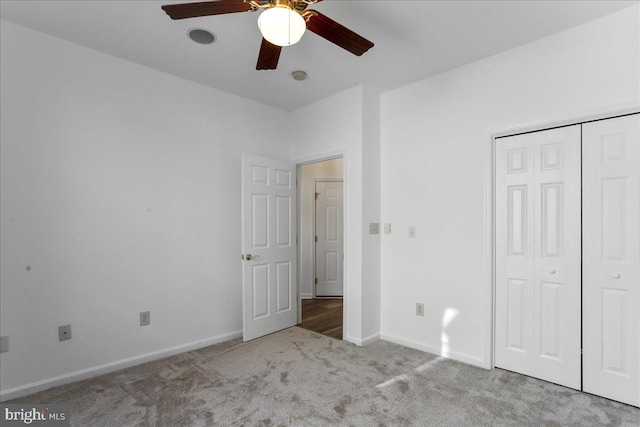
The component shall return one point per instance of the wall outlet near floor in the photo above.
(64, 332)
(4, 344)
(145, 318)
(374, 228)
(387, 228)
(419, 309)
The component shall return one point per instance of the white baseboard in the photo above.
(460, 357)
(353, 340)
(113, 366)
(370, 339)
(306, 296)
(363, 341)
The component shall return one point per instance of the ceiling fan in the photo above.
(282, 23)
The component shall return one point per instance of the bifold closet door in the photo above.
(538, 255)
(611, 263)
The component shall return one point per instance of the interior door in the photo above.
(269, 291)
(538, 255)
(329, 239)
(611, 268)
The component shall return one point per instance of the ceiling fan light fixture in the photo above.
(281, 25)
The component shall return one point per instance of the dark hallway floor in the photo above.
(323, 316)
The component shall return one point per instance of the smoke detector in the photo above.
(299, 75)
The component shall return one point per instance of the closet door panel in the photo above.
(514, 253)
(538, 255)
(557, 320)
(611, 264)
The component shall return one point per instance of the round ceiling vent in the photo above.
(201, 36)
(299, 75)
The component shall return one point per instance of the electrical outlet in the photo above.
(4, 344)
(412, 232)
(145, 318)
(387, 228)
(64, 332)
(374, 228)
(419, 309)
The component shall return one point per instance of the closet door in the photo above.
(538, 255)
(611, 265)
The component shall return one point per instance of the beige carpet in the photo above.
(300, 378)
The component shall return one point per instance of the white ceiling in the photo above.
(413, 40)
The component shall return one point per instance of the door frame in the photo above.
(345, 194)
(313, 214)
(492, 134)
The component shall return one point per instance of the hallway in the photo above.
(323, 316)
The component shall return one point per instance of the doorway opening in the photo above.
(321, 246)
(323, 315)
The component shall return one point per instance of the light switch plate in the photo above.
(145, 318)
(374, 228)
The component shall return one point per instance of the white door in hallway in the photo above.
(329, 238)
(611, 265)
(538, 255)
(269, 291)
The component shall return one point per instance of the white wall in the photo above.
(336, 128)
(436, 137)
(371, 205)
(120, 193)
(348, 123)
(310, 173)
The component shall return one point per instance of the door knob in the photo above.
(248, 257)
(616, 275)
(552, 271)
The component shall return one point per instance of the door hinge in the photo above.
(316, 239)
(316, 280)
(317, 194)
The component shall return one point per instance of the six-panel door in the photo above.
(269, 246)
(538, 255)
(611, 265)
(329, 237)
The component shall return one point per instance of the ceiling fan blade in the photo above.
(269, 56)
(205, 8)
(338, 34)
